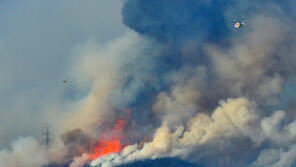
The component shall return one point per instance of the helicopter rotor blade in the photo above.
(243, 19)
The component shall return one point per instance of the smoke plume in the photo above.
(217, 93)
(182, 82)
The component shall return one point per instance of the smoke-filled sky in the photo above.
(37, 41)
(148, 79)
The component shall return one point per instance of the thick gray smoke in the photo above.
(196, 88)
(218, 93)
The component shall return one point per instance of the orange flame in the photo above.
(111, 143)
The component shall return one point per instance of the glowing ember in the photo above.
(110, 143)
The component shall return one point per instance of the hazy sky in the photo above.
(183, 80)
(36, 43)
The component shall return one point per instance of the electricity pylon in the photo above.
(47, 140)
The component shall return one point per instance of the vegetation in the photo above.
(163, 162)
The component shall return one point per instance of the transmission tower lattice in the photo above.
(47, 140)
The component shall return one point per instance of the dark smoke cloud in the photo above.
(177, 20)
(204, 60)
(188, 25)
(197, 88)
(77, 142)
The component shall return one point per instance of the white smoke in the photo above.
(79, 161)
(233, 118)
(276, 157)
(181, 103)
(241, 82)
(249, 69)
(24, 152)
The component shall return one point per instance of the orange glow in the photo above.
(105, 148)
(110, 143)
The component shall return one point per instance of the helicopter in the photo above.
(239, 23)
